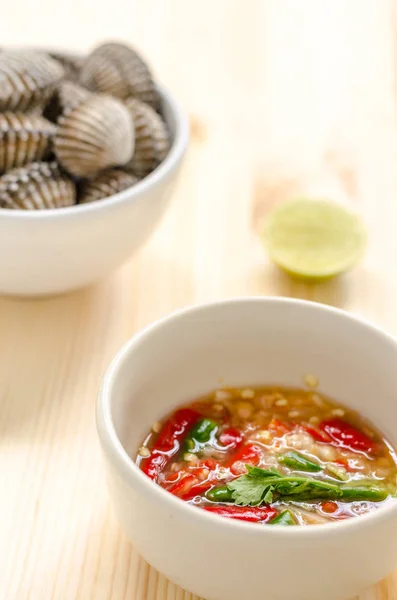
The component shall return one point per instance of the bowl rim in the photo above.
(131, 473)
(174, 156)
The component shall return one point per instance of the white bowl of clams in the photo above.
(90, 148)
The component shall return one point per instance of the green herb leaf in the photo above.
(263, 485)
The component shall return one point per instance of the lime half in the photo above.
(314, 239)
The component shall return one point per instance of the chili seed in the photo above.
(156, 427)
(244, 410)
(293, 414)
(218, 407)
(314, 420)
(222, 395)
(338, 412)
(311, 381)
(281, 402)
(267, 401)
(247, 393)
(318, 400)
(264, 434)
(144, 452)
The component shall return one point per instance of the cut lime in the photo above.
(314, 239)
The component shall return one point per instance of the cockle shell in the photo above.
(39, 185)
(27, 80)
(66, 97)
(71, 95)
(152, 140)
(107, 183)
(94, 136)
(23, 139)
(120, 71)
(71, 64)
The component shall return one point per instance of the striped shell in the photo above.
(96, 135)
(23, 139)
(66, 97)
(152, 140)
(118, 70)
(39, 185)
(106, 184)
(71, 95)
(27, 80)
(71, 64)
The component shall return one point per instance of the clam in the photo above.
(71, 64)
(120, 71)
(152, 140)
(67, 96)
(96, 135)
(107, 183)
(71, 95)
(39, 185)
(23, 139)
(27, 80)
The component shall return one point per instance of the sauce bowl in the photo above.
(248, 342)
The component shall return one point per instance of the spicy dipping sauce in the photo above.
(271, 455)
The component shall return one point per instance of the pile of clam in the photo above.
(76, 130)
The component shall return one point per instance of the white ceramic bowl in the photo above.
(53, 251)
(247, 342)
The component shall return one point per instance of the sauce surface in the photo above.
(271, 455)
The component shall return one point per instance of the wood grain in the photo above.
(285, 97)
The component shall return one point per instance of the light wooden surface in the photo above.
(284, 97)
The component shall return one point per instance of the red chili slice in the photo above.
(319, 436)
(196, 480)
(345, 435)
(183, 485)
(252, 514)
(279, 427)
(231, 438)
(168, 441)
(197, 489)
(248, 454)
(208, 463)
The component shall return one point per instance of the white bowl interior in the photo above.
(253, 342)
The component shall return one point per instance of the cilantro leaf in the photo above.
(248, 491)
(261, 485)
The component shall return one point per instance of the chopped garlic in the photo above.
(314, 420)
(264, 435)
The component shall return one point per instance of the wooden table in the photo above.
(285, 97)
